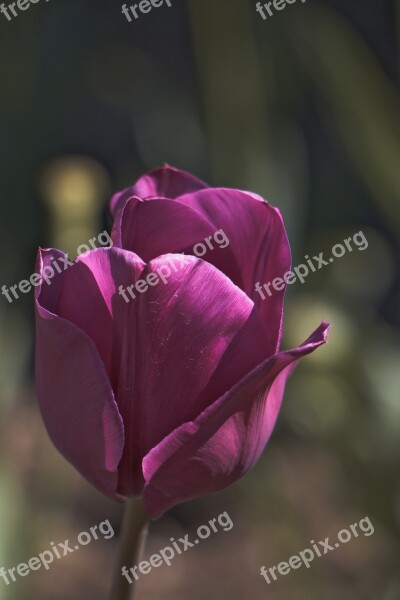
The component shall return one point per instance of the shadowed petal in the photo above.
(258, 242)
(88, 291)
(75, 396)
(159, 226)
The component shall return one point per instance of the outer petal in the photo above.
(258, 240)
(182, 331)
(89, 297)
(219, 446)
(75, 396)
(166, 182)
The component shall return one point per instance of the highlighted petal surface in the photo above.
(211, 452)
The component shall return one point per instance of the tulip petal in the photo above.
(182, 330)
(219, 446)
(259, 243)
(88, 292)
(151, 228)
(166, 182)
(75, 396)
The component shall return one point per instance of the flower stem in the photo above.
(133, 536)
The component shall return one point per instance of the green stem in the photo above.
(133, 536)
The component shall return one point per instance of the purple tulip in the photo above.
(173, 394)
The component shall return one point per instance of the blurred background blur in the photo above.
(303, 109)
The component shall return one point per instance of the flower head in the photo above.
(168, 386)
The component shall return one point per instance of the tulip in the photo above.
(174, 394)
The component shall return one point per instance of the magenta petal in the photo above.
(258, 242)
(158, 226)
(86, 298)
(155, 227)
(94, 279)
(172, 338)
(75, 396)
(225, 440)
(166, 182)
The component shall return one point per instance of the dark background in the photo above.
(303, 109)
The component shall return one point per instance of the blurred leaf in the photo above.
(358, 100)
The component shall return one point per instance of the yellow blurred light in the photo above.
(74, 187)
